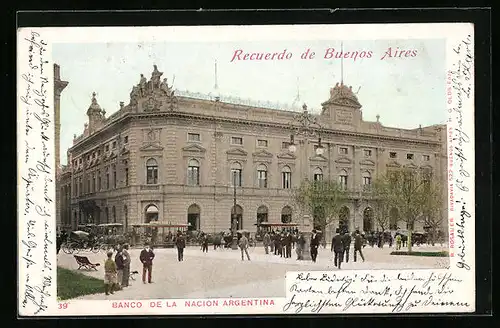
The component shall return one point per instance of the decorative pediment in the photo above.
(151, 147)
(368, 162)
(194, 149)
(287, 156)
(393, 164)
(236, 152)
(263, 154)
(318, 158)
(411, 166)
(343, 160)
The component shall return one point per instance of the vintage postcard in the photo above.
(323, 169)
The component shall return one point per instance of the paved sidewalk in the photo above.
(221, 273)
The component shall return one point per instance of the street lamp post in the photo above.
(307, 126)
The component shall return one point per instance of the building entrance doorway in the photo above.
(151, 214)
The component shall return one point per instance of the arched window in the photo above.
(262, 176)
(113, 210)
(151, 213)
(367, 179)
(343, 179)
(286, 214)
(318, 174)
(236, 174)
(193, 173)
(193, 217)
(151, 171)
(262, 214)
(286, 177)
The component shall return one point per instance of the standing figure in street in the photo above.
(126, 266)
(267, 242)
(272, 237)
(119, 267)
(288, 245)
(243, 243)
(204, 243)
(398, 241)
(301, 243)
(346, 241)
(358, 246)
(338, 248)
(314, 245)
(180, 242)
(146, 259)
(109, 274)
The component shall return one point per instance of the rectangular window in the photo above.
(236, 140)
(343, 181)
(236, 177)
(98, 152)
(286, 179)
(114, 178)
(107, 147)
(367, 181)
(125, 139)
(99, 182)
(80, 183)
(318, 176)
(107, 180)
(126, 176)
(262, 177)
(426, 158)
(152, 175)
(193, 176)
(343, 150)
(262, 143)
(114, 144)
(409, 156)
(93, 155)
(93, 182)
(194, 137)
(368, 152)
(393, 154)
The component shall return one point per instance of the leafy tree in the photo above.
(383, 203)
(321, 198)
(432, 215)
(409, 190)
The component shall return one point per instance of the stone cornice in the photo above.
(325, 132)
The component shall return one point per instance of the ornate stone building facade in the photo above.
(176, 159)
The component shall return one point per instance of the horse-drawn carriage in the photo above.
(93, 238)
(159, 235)
(266, 227)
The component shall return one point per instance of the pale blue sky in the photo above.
(405, 92)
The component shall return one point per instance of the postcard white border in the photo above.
(40, 293)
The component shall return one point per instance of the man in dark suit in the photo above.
(146, 258)
(314, 245)
(358, 246)
(180, 242)
(338, 248)
(346, 241)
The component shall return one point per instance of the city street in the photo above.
(221, 273)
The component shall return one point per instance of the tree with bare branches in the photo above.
(321, 198)
(410, 191)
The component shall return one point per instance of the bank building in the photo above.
(178, 157)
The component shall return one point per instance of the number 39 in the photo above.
(62, 306)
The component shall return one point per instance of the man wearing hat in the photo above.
(314, 245)
(146, 258)
(180, 242)
(109, 274)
